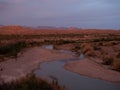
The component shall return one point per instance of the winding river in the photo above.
(72, 81)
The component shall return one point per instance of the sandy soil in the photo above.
(28, 61)
(92, 69)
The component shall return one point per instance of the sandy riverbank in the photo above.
(91, 69)
(28, 61)
(32, 57)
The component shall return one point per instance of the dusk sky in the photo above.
(101, 14)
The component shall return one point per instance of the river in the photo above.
(72, 81)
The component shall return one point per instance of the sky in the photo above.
(100, 14)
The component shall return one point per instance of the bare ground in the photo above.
(13, 69)
(92, 69)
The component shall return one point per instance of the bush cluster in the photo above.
(12, 49)
(27, 83)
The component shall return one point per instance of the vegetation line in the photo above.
(30, 83)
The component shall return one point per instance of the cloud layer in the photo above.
(78, 13)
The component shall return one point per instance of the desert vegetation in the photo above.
(102, 44)
(30, 83)
(92, 43)
(11, 49)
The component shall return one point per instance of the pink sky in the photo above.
(61, 13)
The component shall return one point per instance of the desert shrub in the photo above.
(96, 48)
(61, 42)
(76, 48)
(116, 64)
(107, 60)
(34, 43)
(2, 58)
(118, 55)
(114, 43)
(100, 43)
(90, 53)
(27, 83)
(12, 49)
(86, 48)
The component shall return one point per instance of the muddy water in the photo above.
(72, 81)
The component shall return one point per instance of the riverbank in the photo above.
(92, 69)
(13, 69)
(32, 57)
